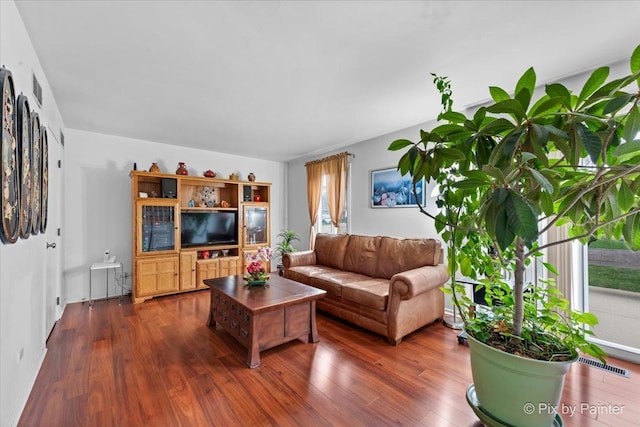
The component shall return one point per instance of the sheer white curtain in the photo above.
(561, 257)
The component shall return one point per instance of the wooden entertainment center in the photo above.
(187, 229)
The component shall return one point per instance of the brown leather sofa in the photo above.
(389, 286)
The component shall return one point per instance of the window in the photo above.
(328, 182)
(324, 224)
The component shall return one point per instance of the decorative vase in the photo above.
(154, 168)
(210, 174)
(182, 169)
(251, 177)
(528, 385)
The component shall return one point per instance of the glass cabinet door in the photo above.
(157, 227)
(256, 222)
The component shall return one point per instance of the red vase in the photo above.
(182, 169)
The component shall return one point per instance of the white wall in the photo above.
(23, 264)
(369, 155)
(98, 198)
(373, 154)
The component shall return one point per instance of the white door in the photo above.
(53, 272)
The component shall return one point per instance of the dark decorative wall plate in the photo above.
(10, 195)
(36, 166)
(24, 165)
(44, 192)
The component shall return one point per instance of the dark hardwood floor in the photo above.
(158, 364)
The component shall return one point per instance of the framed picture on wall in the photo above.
(389, 189)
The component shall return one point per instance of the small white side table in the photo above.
(106, 266)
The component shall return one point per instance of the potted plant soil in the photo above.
(507, 173)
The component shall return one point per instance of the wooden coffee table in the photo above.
(262, 317)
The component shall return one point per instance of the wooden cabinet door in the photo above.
(156, 227)
(230, 266)
(188, 270)
(155, 276)
(206, 269)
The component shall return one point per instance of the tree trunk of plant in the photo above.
(518, 288)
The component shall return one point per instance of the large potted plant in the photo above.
(507, 173)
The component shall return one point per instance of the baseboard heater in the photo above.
(600, 365)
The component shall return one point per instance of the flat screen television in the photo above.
(208, 228)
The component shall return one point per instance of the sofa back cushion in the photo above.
(362, 255)
(330, 250)
(397, 255)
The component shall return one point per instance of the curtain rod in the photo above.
(333, 156)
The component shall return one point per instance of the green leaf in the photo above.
(625, 197)
(526, 156)
(591, 142)
(635, 62)
(469, 183)
(508, 106)
(496, 127)
(631, 231)
(450, 153)
(617, 103)
(541, 137)
(546, 107)
(546, 203)
(597, 78)
(404, 164)
(453, 117)
(498, 94)
(465, 266)
(557, 90)
(632, 125)
(479, 115)
(521, 218)
(525, 87)
(510, 142)
(399, 144)
(612, 203)
(627, 150)
(500, 195)
(523, 97)
(504, 236)
(542, 180)
(488, 216)
(494, 172)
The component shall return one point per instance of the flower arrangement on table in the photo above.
(256, 273)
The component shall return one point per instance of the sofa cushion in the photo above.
(330, 249)
(304, 273)
(372, 293)
(397, 255)
(361, 254)
(332, 282)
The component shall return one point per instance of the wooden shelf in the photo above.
(168, 272)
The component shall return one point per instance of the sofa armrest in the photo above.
(294, 259)
(411, 283)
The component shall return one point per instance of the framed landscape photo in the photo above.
(389, 189)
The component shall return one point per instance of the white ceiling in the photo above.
(283, 79)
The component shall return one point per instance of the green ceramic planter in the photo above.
(515, 390)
